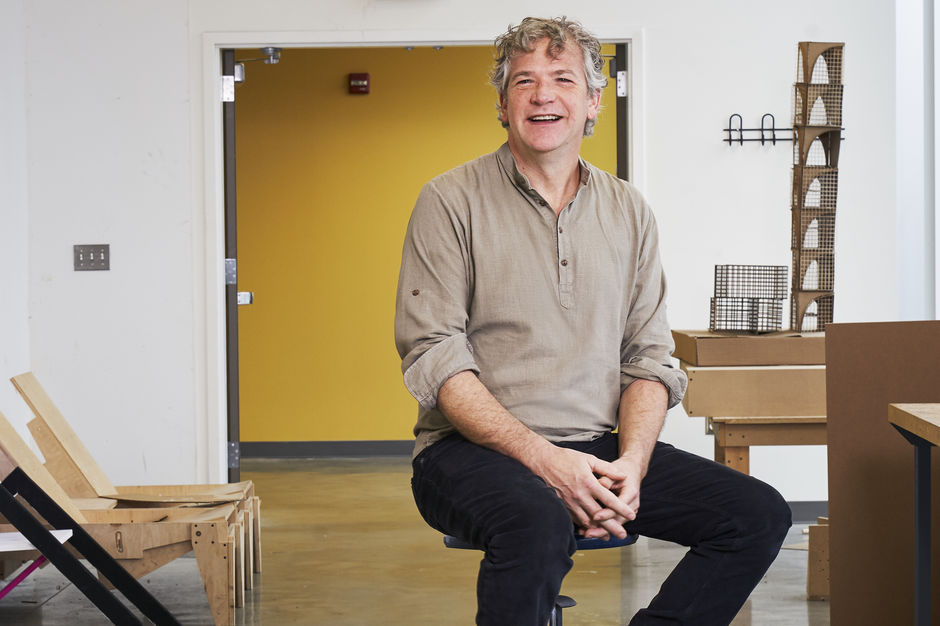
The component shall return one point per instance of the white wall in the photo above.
(14, 283)
(915, 280)
(121, 151)
(109, 162)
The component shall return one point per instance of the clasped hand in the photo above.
(601, 496)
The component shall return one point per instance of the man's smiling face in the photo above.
(547, 101)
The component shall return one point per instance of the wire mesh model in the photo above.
(748, 298)
(817, 138)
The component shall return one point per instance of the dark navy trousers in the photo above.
(733, 525)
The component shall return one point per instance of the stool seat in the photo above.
(584, 543)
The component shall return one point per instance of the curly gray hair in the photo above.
(558, 31)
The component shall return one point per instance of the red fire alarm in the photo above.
(358, 83)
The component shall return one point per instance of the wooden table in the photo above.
(920, 425)
(755, 390)
(734, 436)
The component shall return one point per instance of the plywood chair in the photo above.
(32, 521)
(140, 539)
(76, 470)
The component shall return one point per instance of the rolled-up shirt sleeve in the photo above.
(647, 346)
(434, 288)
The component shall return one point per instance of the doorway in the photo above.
(326, 182)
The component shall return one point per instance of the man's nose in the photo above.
(543, 92)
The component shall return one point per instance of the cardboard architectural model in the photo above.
(748, 298)
(817, 137)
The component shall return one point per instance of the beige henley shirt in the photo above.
(556, 315)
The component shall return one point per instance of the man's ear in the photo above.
(594, 104)
(503, 114)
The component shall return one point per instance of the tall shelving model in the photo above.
(817, 137)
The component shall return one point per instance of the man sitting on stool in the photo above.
(531, 322)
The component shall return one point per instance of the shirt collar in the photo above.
(508, 163)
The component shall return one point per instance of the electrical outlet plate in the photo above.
(91, 257)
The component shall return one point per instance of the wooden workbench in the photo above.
(755, 390)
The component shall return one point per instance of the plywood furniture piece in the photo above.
(76, 470)
(85, 478)
(755, 390)
(17, 483)
(920, 425)
(868, 367)
(141, 540)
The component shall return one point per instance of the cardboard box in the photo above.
(871, 468)
(786, 390)
(702, 347)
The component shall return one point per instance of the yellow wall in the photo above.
(326, 183)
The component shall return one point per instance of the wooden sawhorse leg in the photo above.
(738, 458)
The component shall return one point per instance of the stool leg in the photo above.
(561, 602)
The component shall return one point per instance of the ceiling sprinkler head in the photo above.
(273, 54)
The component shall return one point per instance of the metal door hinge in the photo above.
(234, 455)
(231, 272)
(228, 89)
(245, 297)
(621, 83)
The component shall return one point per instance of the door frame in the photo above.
(209, 328)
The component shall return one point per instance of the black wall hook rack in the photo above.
(768, 133)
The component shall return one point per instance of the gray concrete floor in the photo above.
(343, 545)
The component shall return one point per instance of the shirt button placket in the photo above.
(564, 264)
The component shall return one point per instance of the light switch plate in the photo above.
(91, 257)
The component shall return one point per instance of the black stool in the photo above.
(561, 602)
